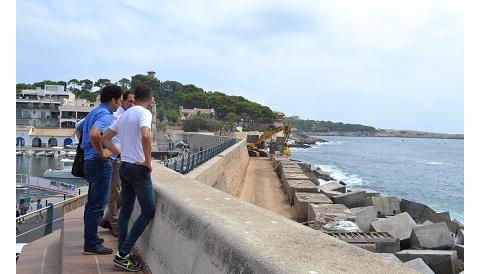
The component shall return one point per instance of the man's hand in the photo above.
(106, 154)
(148, 165)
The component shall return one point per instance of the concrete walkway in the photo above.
(52, 254)
(262, 187)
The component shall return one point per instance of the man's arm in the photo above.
(95, 140)
(107, 141)
(147, 147)
(79, 129)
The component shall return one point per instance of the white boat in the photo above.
(40, 153)
(64, 172)
(19, 153)
(59, 152)
(49, 154)
(71, 154)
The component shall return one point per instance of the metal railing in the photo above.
(51, 221)
(188, 161)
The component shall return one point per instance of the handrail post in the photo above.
(49, 220)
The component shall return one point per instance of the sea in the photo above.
(428, 171)
(36, 166)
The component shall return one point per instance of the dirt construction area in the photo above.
(261, 186)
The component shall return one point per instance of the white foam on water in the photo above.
(427, 162)
(338, 174)
(328, 143)
(434, 163)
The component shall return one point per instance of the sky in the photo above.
(387, 64)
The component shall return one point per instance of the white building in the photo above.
(187, 112)
(51, 107)
(44, 137)
(72, 111)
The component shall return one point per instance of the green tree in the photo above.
(102, 82)
(124, 83)
(86, 85)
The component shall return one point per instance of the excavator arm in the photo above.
(269, 133)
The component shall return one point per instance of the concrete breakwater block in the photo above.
(427, 222)
(460, 237)
(303, 199)
(383, 241)
(322, 174)
(363, 216)
(369, 192)
(440, 261)
(460, 252)
(432, 236)
(333, 186)
(351, 199)
(279, 161)
(399, 226)
(385, 206)
(421, 213)
(299, 186)
(391, 257)
(330, 193)
(291, 170)
(295, 176)
(322, 214)
(419, 265)
(445, 215)
(291, 177)
(291, 183)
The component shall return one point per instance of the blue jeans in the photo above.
(99, 176)
(136, 182)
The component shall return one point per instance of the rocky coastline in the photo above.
(404, 231)
(304, 140)
(391, 133)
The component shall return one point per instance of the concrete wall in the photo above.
(200, 229)
(224, 171)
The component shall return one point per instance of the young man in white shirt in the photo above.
(133, 129)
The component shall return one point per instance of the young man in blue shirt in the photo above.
(98, 166)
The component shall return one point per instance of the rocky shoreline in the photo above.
(404, 231)
(304, 140)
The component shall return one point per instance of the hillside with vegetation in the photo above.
(170, 95)
(328, 128)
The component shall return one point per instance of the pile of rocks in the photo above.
(403, 230)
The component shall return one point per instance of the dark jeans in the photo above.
(99, 175)
(136, 182)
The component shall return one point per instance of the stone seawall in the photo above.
(200, 229)
(224, 171)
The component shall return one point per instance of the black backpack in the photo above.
(77, 167)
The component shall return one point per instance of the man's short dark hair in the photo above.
(143, 92)
(126, 93)
(110, 92)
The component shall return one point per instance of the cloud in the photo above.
(342, 51)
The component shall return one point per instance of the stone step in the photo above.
(41, 256)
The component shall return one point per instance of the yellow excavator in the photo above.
(253, 147)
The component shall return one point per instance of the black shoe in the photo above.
(105, 224)
(98, 249)
(100, 241)
(128, 263)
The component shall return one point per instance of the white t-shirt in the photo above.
(116, 115)
(128, 131)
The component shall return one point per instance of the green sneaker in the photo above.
(128, 263)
